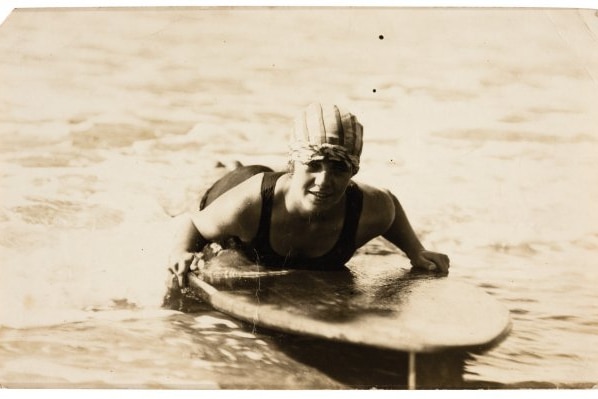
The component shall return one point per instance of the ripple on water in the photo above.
(58, 159)
(519, 311)
(111, 135)
(206, 321)
(64, 213)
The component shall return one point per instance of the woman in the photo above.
(314, 215)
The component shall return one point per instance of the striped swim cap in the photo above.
(324, 131)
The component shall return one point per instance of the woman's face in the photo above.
(320, 185)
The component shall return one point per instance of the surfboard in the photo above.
(382, 307)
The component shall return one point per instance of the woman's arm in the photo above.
(401, 234)
(234, 214)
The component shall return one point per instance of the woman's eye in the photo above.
(340, 167)
(314, 166)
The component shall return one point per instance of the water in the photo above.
(112, 122)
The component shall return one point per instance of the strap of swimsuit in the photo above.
(352, 215)
(268, 185)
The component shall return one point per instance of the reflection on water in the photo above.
(193, 351)
(112, 122)
(366, 368)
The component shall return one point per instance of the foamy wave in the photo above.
(77, 273)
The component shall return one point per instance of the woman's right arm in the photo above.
(234, 214)
(187, 242)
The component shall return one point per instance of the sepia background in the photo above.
(112, 123)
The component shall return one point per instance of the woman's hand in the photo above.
(431, 261)
(181, 264)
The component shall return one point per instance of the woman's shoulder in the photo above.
(373, 195)
(235, 212)
(378, 207)
(243, 195)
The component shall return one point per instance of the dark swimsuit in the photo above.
(260, 250)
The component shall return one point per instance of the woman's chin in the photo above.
(314, 203)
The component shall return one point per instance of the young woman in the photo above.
(314, 216)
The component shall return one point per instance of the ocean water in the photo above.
(113, 121)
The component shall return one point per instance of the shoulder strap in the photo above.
(352, 216)
(267, 193)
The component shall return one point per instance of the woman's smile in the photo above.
(321, 196)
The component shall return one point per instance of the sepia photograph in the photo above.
(298, 197)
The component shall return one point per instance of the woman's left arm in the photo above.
(401, 234)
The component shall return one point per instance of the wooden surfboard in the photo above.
(390, 308)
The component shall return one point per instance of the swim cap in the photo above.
(324, 131)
